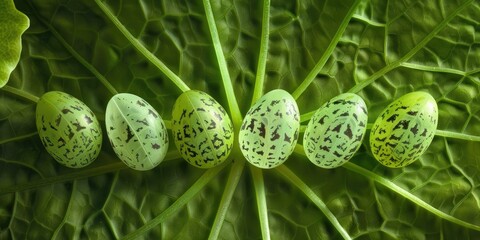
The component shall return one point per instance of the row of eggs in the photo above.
(203, 132)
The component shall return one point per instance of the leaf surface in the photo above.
(314, 49)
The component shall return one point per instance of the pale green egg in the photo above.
(336, 131)
(202, 130)
(404, 130)
(136, 131)
(270, 129)
(69, 130)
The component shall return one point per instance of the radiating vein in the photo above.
(77, 174)
(400, 191)
(437, 69)
(222, 63)
(18, 138)
(307, 116)
(455, 135)
(368, 21)
(178, 204)
(328, 52)
(262, 58)
(293, 178)
(259, 186)
(23, 94)
(142, 49)
(440, 26)
(81, 173)
(78, 57)
(407, 195)
(230, 187)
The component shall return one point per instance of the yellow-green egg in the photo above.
(404, 130)
(202, 130)
(336, 131)
(69, 130)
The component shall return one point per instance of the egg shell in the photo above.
(269, 131)
(202, 130)
(136, 131)
(68, 129)
(336, 131)
(404, 130)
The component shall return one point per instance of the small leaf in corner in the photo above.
(12, 25)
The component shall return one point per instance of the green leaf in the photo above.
(236, 50)
(12, 25)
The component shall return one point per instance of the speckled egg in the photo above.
(68, 129)
(270, 130)
(336, 131)
(136, 131)
(202, 130)
(404, 130)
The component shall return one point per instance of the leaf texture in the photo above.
(377, 49)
